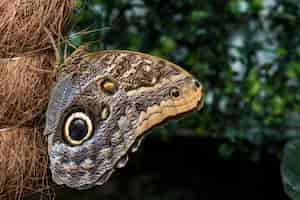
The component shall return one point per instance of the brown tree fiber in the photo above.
(23, 24)
(23, 164)
(26, 77)
(24, 87)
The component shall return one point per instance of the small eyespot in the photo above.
(174, 92)
(109, 86)
(78, 128)
(197, 84)
(105, 112)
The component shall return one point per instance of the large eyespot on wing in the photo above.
(78, 128)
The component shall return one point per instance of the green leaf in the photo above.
(198, 15)
(257, 106)
(257, 5)
(253, 83)
(277, 105)
(168, 44)
(238, 7)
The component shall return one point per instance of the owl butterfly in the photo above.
(102, 106)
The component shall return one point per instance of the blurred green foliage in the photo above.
(245, 52)
(290, 169)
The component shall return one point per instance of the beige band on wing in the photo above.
(169, 108)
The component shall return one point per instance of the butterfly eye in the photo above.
(174, 92)
(109, 86)
(78, 128)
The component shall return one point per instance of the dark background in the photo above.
(188, 169)
(247, 56)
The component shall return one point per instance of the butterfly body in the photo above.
(115, 97)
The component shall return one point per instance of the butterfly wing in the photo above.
(103, 104)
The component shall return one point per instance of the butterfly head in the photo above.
(100, 110)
